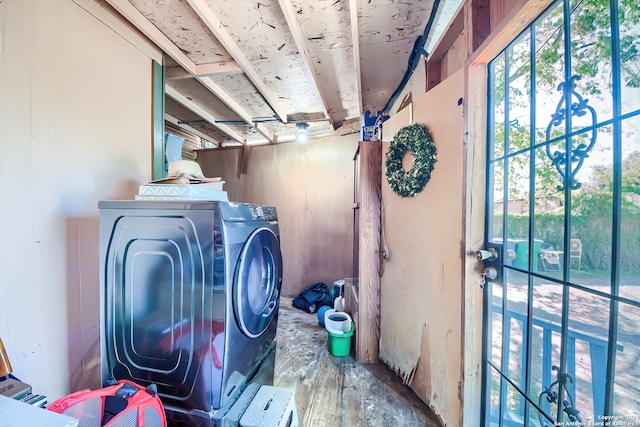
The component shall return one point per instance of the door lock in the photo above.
(490, 273)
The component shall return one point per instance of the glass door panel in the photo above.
(496, 325)
(627, 387)
(630, 209)
(629, 45)
(587, 351)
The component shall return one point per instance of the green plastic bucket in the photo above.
(340, 344)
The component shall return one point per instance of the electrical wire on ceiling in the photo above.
(417, 52)
(254, 122)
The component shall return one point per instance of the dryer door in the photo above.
(257, 282)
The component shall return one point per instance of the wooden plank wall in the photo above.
(311, 186)
(498, 10)
(488, 26)
(472, 25)
(421, 310)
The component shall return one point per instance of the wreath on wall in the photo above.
(414, 138)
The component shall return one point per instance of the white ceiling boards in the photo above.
(256, 68)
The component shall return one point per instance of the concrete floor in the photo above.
(336, 391)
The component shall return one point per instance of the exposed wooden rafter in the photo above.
(176, 121)
(225, 67)
(355, 38)
(127, 10)
(178, 97)
(215, 26)
(301, 44)
(231, 103)
(278, 61)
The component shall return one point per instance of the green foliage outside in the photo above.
(592, 216)
(593, 231)
(592, 203)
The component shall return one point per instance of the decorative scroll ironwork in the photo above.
(552, 395)
(576, 156)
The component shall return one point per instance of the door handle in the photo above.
(487, 255)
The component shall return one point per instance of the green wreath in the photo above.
(416, 139)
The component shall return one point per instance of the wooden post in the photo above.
(368, 322)
(243, 159)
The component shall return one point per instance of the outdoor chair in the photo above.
(576, 251)
(550, 259)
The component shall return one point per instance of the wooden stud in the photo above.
(368, 323)
(290, 15)
(433, 74)
(212, 22)
(477, 23)
(243, 159)
(223, 67)
(522, 14)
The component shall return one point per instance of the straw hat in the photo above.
(185, 171)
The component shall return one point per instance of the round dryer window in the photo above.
(257, 282)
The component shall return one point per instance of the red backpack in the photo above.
(121, 404)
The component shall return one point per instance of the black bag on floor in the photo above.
(313, 297)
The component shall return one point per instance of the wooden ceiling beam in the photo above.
(177, 73)
(136, 18)
(226, 67)
(186, 127)
(301, 44)
(139, 21)
(226, 98)
(355, 40)
(212, 22)
(213, 68)
(262, 130)
(178, 97)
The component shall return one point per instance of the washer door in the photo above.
(257, 282)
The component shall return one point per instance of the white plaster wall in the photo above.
(75, 128)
